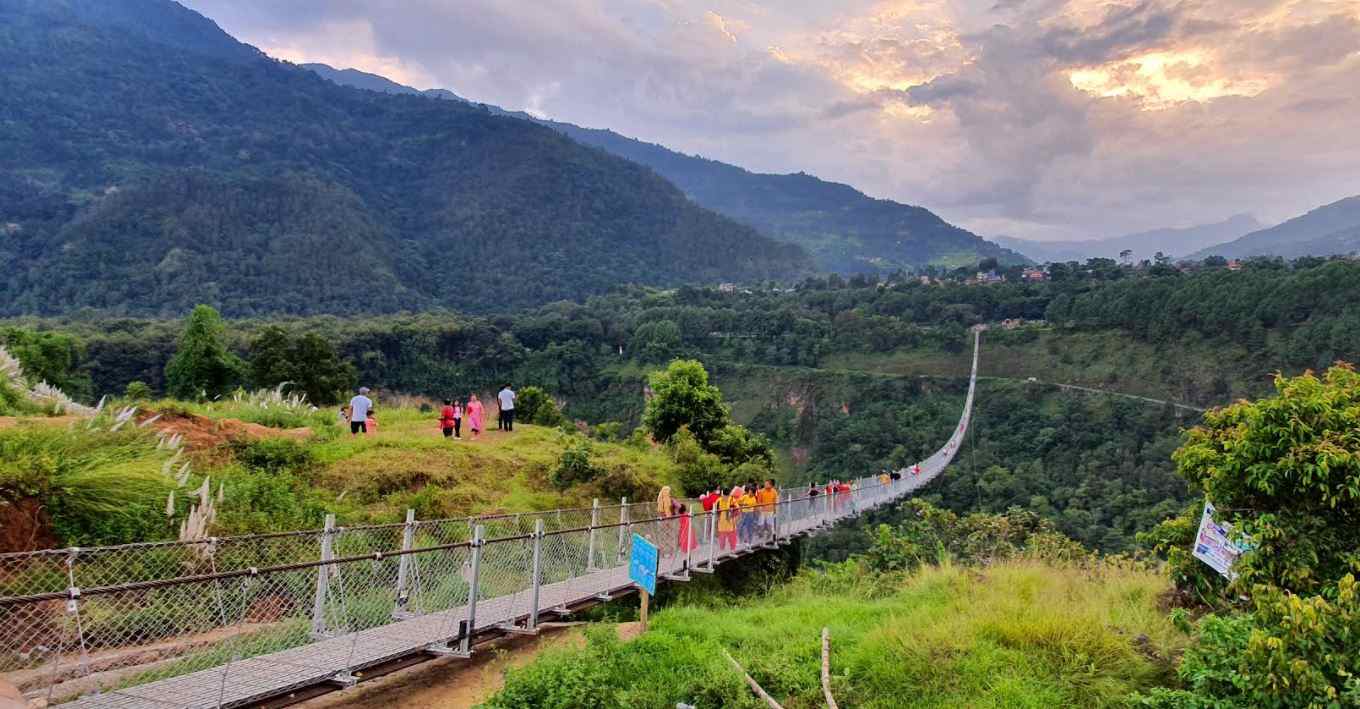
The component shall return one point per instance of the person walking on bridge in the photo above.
(767, 497)
(729, 511)
(750, 520)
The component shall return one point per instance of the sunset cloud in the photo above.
(1052, 118)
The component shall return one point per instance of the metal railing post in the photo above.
(774, 521)
(689, 538)
(594, 522)
(538, 575)
(712, 535)
(623, 523)
(408, 537)
(478, 539)
(323, 579)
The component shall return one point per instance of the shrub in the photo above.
(272, 455)
(574, 467)
(1291, 651)
(534, 405)
(607, 431)
(138, 391)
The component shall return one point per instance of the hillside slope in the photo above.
(1320, 232)
(844, 229)
(1144, 245)
(174, 165)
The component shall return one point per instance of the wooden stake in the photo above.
(646, 598)
(751, 682)
(826, 668)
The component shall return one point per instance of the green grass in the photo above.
(95, 486)
(1018, 634)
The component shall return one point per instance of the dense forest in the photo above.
(844, 229)
(176, 166)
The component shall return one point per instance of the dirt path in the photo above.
(450, 683)
(10, 421)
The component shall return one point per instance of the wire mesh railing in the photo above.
(230, 621)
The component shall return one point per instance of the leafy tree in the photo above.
(682, 397)
(202, 366)
(309, 364)
(1285, 472)
(50, 357)
(699, 469)
(656, 341)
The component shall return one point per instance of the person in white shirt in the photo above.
(359, 408)
(506, 399)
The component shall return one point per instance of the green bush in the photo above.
(574, 467)
(1291, 651)
(931, 535)
(137, 391)
(534, 405)
(272, 455)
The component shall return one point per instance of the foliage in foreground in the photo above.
(94, 487)
(1285, 472)
(1019, 633)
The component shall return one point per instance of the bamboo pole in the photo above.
(826, 668)
(755, 687)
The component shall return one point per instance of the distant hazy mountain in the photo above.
(1144, 245)
(844, 229)
(149, 162)
(1325, 231)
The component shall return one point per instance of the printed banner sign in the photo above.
(1214, 546)
(642, 564)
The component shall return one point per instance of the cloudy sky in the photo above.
(1033, 118)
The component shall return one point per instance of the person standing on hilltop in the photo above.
(446, 419)
(474, 416)
(359, 408)
(506, 399)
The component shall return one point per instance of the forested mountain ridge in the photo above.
(176, 166)
(1325, 231)
(844, 229)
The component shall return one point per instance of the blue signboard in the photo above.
(642, 564)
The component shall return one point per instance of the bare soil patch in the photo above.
(450, 683)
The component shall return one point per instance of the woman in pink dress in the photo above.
(474, 415)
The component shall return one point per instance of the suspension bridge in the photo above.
(272, 619)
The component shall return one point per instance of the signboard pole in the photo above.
(646, 598)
